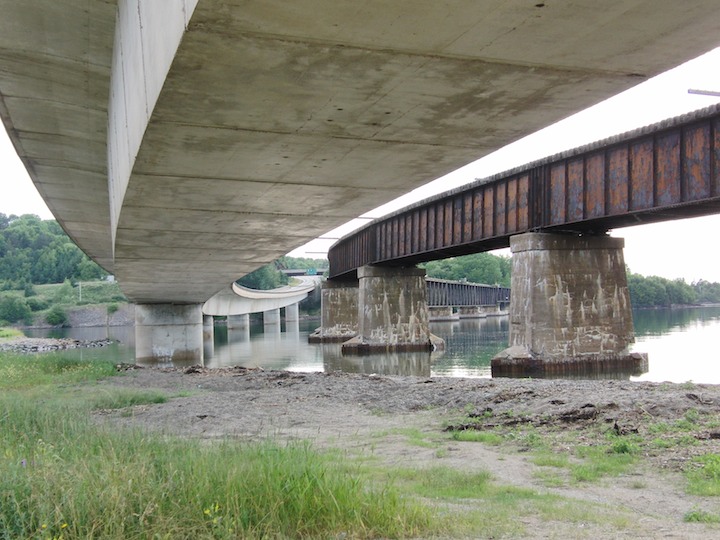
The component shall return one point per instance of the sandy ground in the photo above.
(373, 415)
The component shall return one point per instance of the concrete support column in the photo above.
(392, 311)
(238, 321)
(169, 333)
(292, 313)
(570, 305)
(271, 317)
(339, 312)
(208, 336)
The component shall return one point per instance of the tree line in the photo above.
(655, 291)
(36, 251)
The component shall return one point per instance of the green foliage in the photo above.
(14, 309)
(29, 290)
(707, 292)
(265, 278)
(56, 316)
(38, 251)
(654, 291)
(477, 268)
(65, 294)
(37, 304)
(303, 263)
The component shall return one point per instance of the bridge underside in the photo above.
(238, 130)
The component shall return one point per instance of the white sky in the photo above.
(685, 249)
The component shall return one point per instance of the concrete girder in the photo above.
(237, 300)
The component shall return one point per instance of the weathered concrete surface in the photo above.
(570, 301)
(393, 313)
(167, 333)
(442, 313)
(238, 130)
(339, 312)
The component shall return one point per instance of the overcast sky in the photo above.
(678, 249)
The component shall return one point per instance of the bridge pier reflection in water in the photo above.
(471, 344)
(681, 344)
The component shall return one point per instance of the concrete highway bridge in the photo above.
(185, 143)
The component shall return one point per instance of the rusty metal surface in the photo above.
(666, 171)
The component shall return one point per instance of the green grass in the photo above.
(600, 461)
(704, 477)
(471, 435)
(24, 371)
(701, 516)
(551, 459)
(6, 333)
(497, 509)
(123, 398)
(64, 475)
(56, 463)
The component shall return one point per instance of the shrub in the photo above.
(37, 304)
(29, 290)
(56, 316)
(14, 309)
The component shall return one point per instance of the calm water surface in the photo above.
(682, 345)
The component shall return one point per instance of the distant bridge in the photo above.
(446, 293)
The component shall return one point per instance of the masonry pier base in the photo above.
(169, 333)
(570, 309)
(339, 312)
(392, 312)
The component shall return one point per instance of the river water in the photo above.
(682, 345)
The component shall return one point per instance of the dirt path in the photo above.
(384, 417)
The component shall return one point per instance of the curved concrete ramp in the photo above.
(238, 300)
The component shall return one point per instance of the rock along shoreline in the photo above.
(25, 345)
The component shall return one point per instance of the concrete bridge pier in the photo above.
(339, 312)
(271, 317)
(169, 333)
(292, 313)
(570, 308)
(238, 321)
(393, 313)
(443, 313)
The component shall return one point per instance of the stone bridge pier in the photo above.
(386, 311)
(570, 307)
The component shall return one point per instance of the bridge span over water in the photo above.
(185, 143)
(570, 299)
